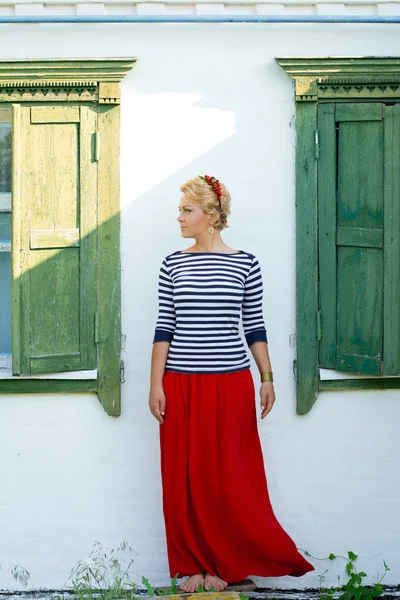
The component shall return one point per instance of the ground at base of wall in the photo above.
(391, 593)
(245, 586)
(201, 596)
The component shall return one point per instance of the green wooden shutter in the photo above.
(391, 243)
(54, 238)
(352, 257)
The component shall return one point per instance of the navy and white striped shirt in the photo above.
(201, 296)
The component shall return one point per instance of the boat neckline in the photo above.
(222, 253)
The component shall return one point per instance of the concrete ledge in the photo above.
(202, 596)
(240, 586)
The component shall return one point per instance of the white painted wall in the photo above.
(202, 98)
(200, 7)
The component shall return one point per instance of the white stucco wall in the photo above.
(201, 99)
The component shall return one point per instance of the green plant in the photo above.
(173, 587)
(201, 589)
(353, 588)
(21, 575)
(105, 574)
(148, 586)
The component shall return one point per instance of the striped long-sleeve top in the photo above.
(201, 297)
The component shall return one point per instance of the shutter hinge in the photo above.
(319, 334)
(122, 371)
(97, 140)
(96, 327)
(316, 144)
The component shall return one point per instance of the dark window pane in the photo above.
(5, 227)
(5, 157)
(5, 303)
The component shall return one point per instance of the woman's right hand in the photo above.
(157, 403)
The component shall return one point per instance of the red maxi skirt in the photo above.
(218, 515)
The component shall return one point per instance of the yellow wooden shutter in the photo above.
(54, 251)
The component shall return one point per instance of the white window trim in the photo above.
(332, 375)
(6, 372)
(5, 202)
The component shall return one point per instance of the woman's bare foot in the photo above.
(213, 580)
(192, 583)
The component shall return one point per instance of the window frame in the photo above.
(318, 80)
(77, 81)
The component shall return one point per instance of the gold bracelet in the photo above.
(267, 376)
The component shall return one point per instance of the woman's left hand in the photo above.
(267, 395)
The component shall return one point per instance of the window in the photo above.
(54, 241)
(348, 219)
(359, 244)
(59, 227)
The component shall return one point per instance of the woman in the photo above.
(220, 525)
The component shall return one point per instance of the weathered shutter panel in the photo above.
(54, 238)
(391, 279)
(351, 233)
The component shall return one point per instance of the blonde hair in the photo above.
(199, 192)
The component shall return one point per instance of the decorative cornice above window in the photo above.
(339, 78)
(57, 79)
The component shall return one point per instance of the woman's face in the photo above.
(192, 220)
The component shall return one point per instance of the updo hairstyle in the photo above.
(199, 192)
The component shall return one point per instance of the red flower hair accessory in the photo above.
(214, 185)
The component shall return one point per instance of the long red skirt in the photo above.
(218, 515)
